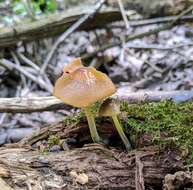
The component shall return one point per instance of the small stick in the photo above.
(157, 46)
(67, 33)
(28, 61)
(9, 65)
(123, 13)
(33, 65)
(159, 20)
(138, 36)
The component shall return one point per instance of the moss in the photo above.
(168, 123)
(75, 118)
(53, 140)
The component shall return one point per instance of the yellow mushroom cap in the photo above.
(83, 87)
(109, 107)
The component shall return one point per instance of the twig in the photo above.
(50, 103)
(3, 117)
(9, 65)
(33, 65)
(157, 46)
(140, 35)
(123, 13)
(182, 14)
(159, 20)
(67, 33)
(139, 179)
(28, 61)
(18, 63)
(129, 38)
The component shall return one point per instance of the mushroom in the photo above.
(81, 87)
(111, 108)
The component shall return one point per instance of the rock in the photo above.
(82, 178)
(55, 148)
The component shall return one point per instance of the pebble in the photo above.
(55, 148)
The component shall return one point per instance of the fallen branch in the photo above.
(39, 104)
(55, 24)
(27, 105)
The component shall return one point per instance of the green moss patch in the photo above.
(167, 122)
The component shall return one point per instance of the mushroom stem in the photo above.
(91, 124)
(121, 132)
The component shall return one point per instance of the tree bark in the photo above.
(22, 168)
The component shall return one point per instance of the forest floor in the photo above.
(57, 151)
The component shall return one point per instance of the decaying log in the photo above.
(78, 130)
(26, 165)
(54, 24)
(22, 168)
(37, 104)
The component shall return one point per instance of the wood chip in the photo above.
(81, 178)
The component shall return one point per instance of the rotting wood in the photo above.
(50, 103)
(104, 167)
(178, 180)
(139, 180)
(54, 24)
